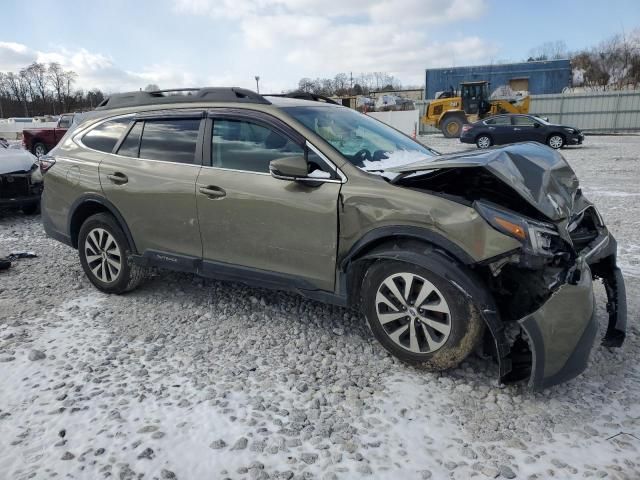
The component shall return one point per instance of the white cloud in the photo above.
(284, 40)
(96, 70)
(394, 36)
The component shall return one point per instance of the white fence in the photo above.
(605, 112)
(13, 131)
(407, 121)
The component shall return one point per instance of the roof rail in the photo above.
(304, 96)
(182, 95)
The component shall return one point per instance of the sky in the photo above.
(121, 45)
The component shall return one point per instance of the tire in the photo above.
(452, 127)
(39, 149)
(555, 141)
(484, 141)
(459, 331)
(101, 233)
(31, 208)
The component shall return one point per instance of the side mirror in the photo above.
(536, 125)
(289, 168)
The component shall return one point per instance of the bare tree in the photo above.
(152, 87)
(57, 80)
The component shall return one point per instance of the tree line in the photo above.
(611, 64)
(347, 84)
(43, 89)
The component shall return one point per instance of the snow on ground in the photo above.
(190, 378)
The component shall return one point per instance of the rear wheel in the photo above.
(452, 127)
(105, 255)
(555, 141)
(483, 141)
(419, 316)
(39, 149)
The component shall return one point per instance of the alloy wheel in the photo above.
(413, 312)
(484, 142)
(103, 255)
(555, 141)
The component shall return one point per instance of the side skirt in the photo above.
(237, 273)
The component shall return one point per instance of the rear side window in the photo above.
(105, 136)
(241, 145)
(498, 121)
(171, 140)
(131, 145)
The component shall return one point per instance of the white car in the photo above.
(20, 179)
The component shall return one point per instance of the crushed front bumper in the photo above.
(562, 331)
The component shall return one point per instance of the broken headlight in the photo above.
(536, 237)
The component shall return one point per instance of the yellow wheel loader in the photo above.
(451, 111)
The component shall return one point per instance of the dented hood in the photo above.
(536, 172)
(15, 160)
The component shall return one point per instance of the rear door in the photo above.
(276, 230)
(500, 129)
(150, 178)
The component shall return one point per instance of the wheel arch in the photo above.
(90, 204)
(431, 251)
(555, 132)
(484, 134)
(452, 113)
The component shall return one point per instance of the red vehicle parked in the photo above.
(40, 140)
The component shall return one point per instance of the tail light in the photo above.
(46, 162)
(466, 127)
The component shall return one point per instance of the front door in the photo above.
(278, 231)
(151, 180)
(525, 130)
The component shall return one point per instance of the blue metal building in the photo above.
(549, 76)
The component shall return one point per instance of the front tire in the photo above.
(31, 208)
(555, 141)
(419, 316)
(483, 141)
(105, 255)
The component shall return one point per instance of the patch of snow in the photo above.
(319, 174)
(397, 158)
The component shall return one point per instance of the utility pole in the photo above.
(350, 83)
(257, 77)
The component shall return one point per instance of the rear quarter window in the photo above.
(105, 136)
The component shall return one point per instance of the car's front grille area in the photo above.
(15, 185)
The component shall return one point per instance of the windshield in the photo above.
(363, 141)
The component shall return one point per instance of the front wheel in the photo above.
(555, 141)
(31, 208)
(419, 316)
(105, 255)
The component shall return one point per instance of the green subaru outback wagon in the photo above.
(443, 254)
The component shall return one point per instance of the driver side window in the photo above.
(248, 146)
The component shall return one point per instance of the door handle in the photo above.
(212, 191)
(118, 178)
(515, 128)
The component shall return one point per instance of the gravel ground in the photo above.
(191, 379)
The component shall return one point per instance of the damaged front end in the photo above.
(543, 291)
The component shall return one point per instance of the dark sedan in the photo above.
(502, 129)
